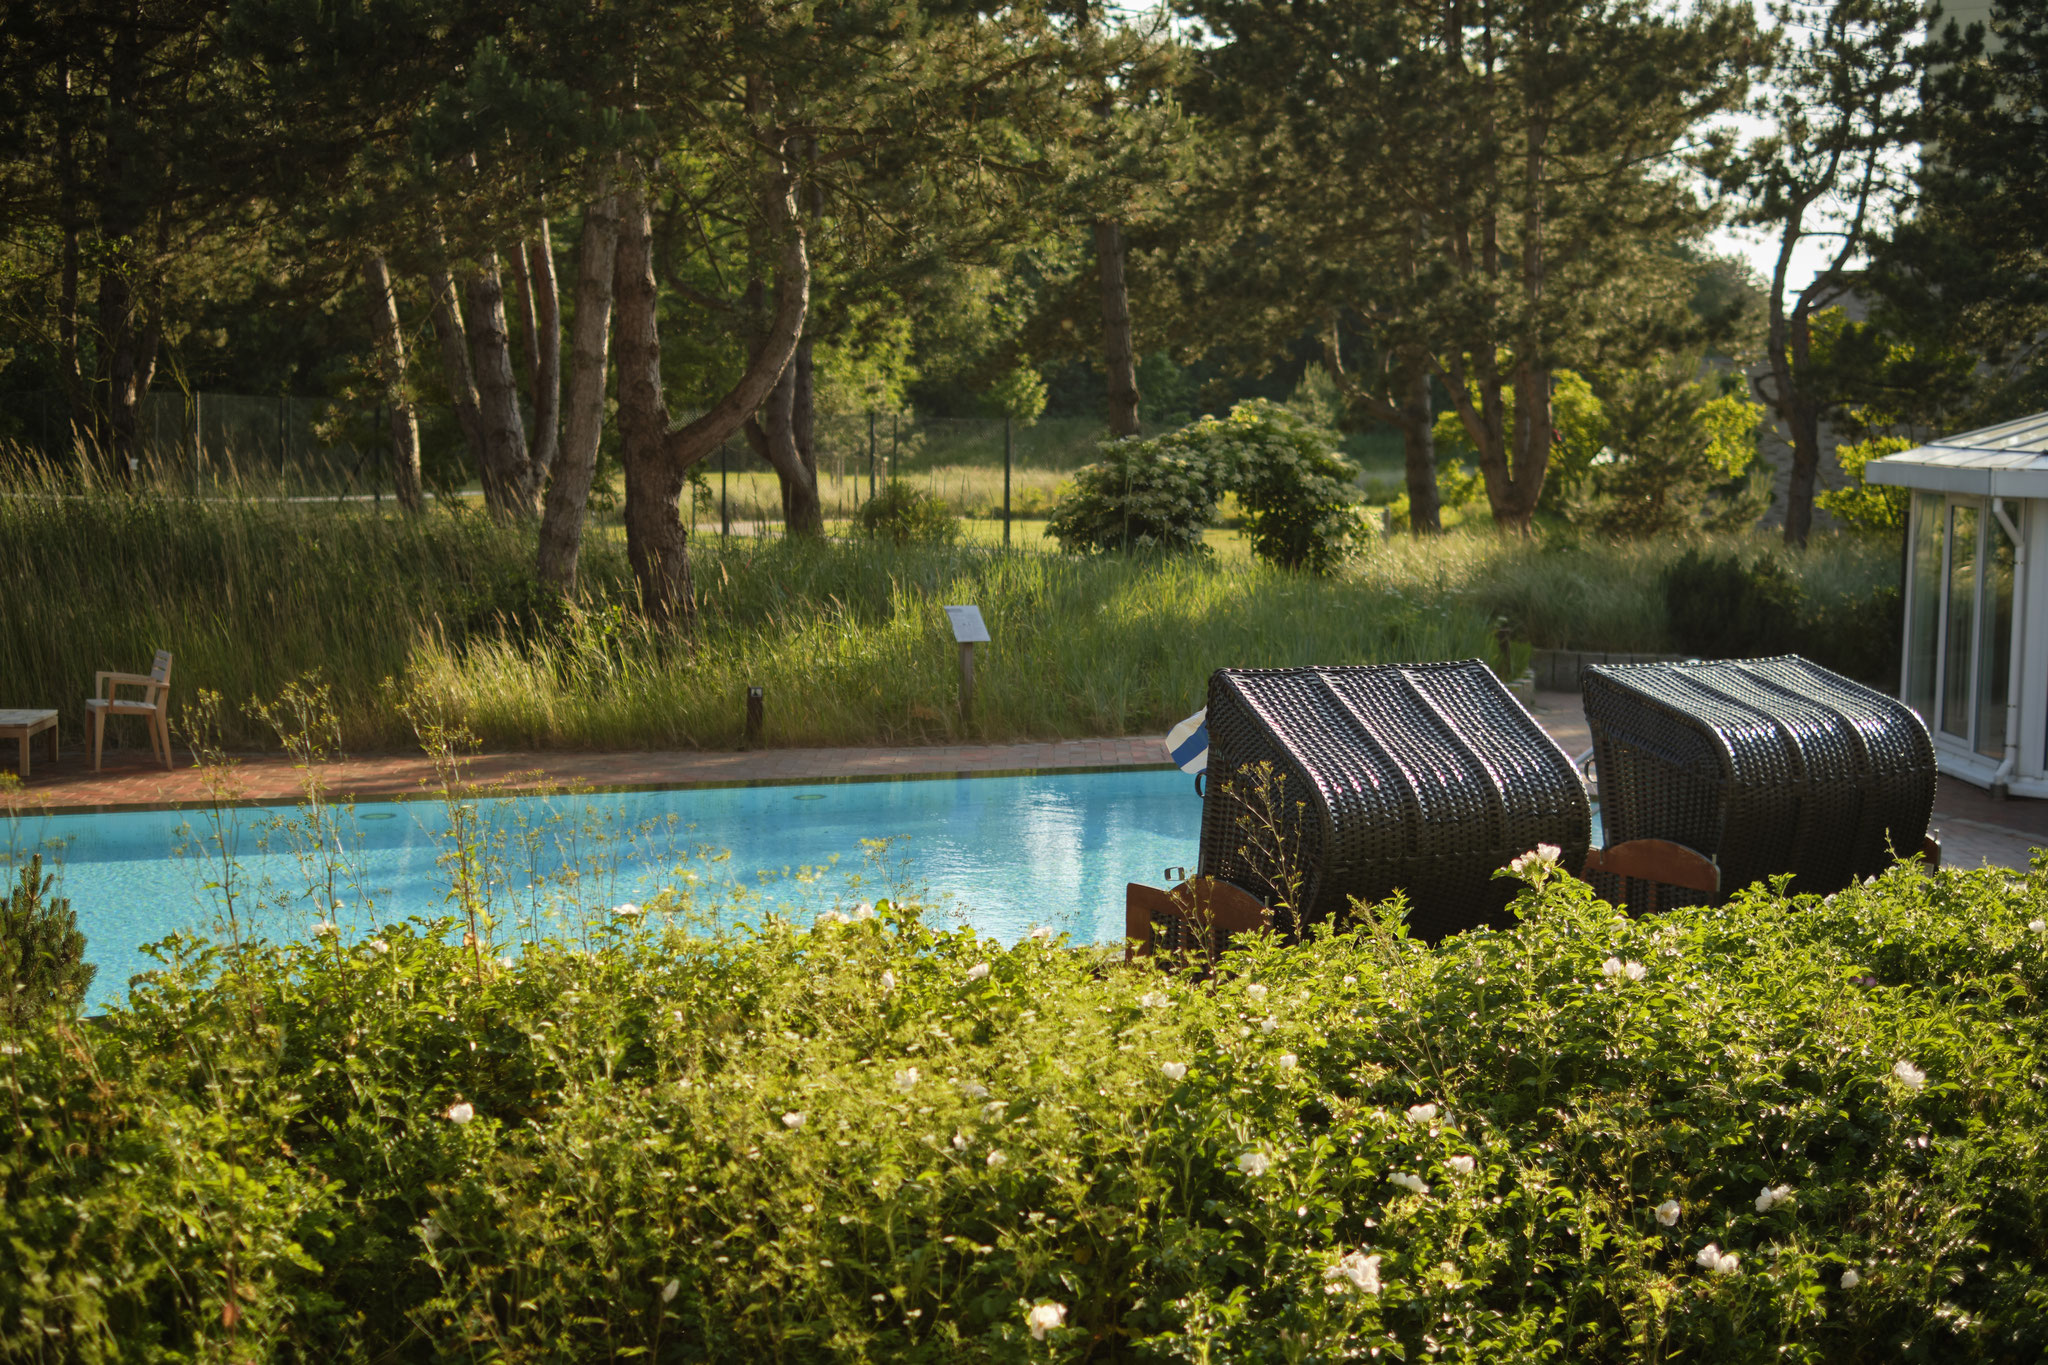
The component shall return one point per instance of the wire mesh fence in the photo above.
(992, 469)
(211, 440)
(218, 440)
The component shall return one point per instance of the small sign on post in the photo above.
(968, 631)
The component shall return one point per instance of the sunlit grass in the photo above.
(846, 635)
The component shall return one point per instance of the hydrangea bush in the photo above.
(1297, 492)
(1782, 1130)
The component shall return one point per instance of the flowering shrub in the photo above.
(1805, 1130)
(1296, 491)
(1141, 495)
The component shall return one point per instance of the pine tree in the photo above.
(42, 954)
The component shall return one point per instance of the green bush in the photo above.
(1141, 495)
(1297, 494)
(1725, 607)
(876, 1140)
(907, 515)
(42, 966)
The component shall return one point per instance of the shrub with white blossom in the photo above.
(1808, 1131)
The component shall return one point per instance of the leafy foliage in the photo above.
(42, 954)
(1725, 607)
(1143, 494)
(1864, 506)
(872, 1138)
(905, 514)
(1682, 457)
(1296, 491)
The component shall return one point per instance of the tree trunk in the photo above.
(405, 427)
(561, 526)
(657, 544)
(1418, 450)
(497, 393)
(657, 459)
(70, 374)
(1802, 424)
(1411, 417)
(529, 335)
(547, 381)
(1118, 357)
(454, 341)
(802, 512)
(117, 337)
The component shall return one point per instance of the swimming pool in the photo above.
(1002, 853)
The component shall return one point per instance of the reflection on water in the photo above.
(1001, 853)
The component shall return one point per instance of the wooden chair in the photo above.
(154, 706)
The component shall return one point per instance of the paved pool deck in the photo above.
(1974, 829)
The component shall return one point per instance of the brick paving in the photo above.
(129, 780)
(1974, 829)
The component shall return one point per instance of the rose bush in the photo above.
(1808, 1130)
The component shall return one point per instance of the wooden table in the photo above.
(21, 726)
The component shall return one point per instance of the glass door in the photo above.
(1994, 645)
(1959, 619)
(1959, 636)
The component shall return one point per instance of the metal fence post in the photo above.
(1006, 481)
(198, 445)
(871, 454)
(895, 437)
(724, 507)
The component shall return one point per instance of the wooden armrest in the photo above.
(1221, 907)
(139, 679)
(1657, 860)
(1140, 901)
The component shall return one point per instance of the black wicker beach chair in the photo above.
(1362, 781)
(1767, 766)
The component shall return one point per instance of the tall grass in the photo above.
(846, 637)
(851, 647)
(1563, 593)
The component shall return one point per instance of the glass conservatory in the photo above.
(1971, 665)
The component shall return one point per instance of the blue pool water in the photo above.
(1001, 853)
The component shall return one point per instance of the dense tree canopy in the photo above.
(503, 240)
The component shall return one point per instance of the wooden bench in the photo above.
(22, 726)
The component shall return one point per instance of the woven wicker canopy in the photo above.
(1768, 766)
(1419, 778)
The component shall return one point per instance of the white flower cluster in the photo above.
(907, 1079)
(1174, 1071)
(1462, 1165)
(1045, 1317)
(1538, 865)
(1353, 1273)
(1421, 1115)
(1154, 1000)
(978, 971)
(1254, 1163)
(1910, 1076)
(1668, 1211)
(1411, 1183)
(1772, 1197)
(1634, 971)
(1720, 1262)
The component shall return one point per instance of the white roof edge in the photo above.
(1984, 480)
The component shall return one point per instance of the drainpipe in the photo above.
(2001, 780)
